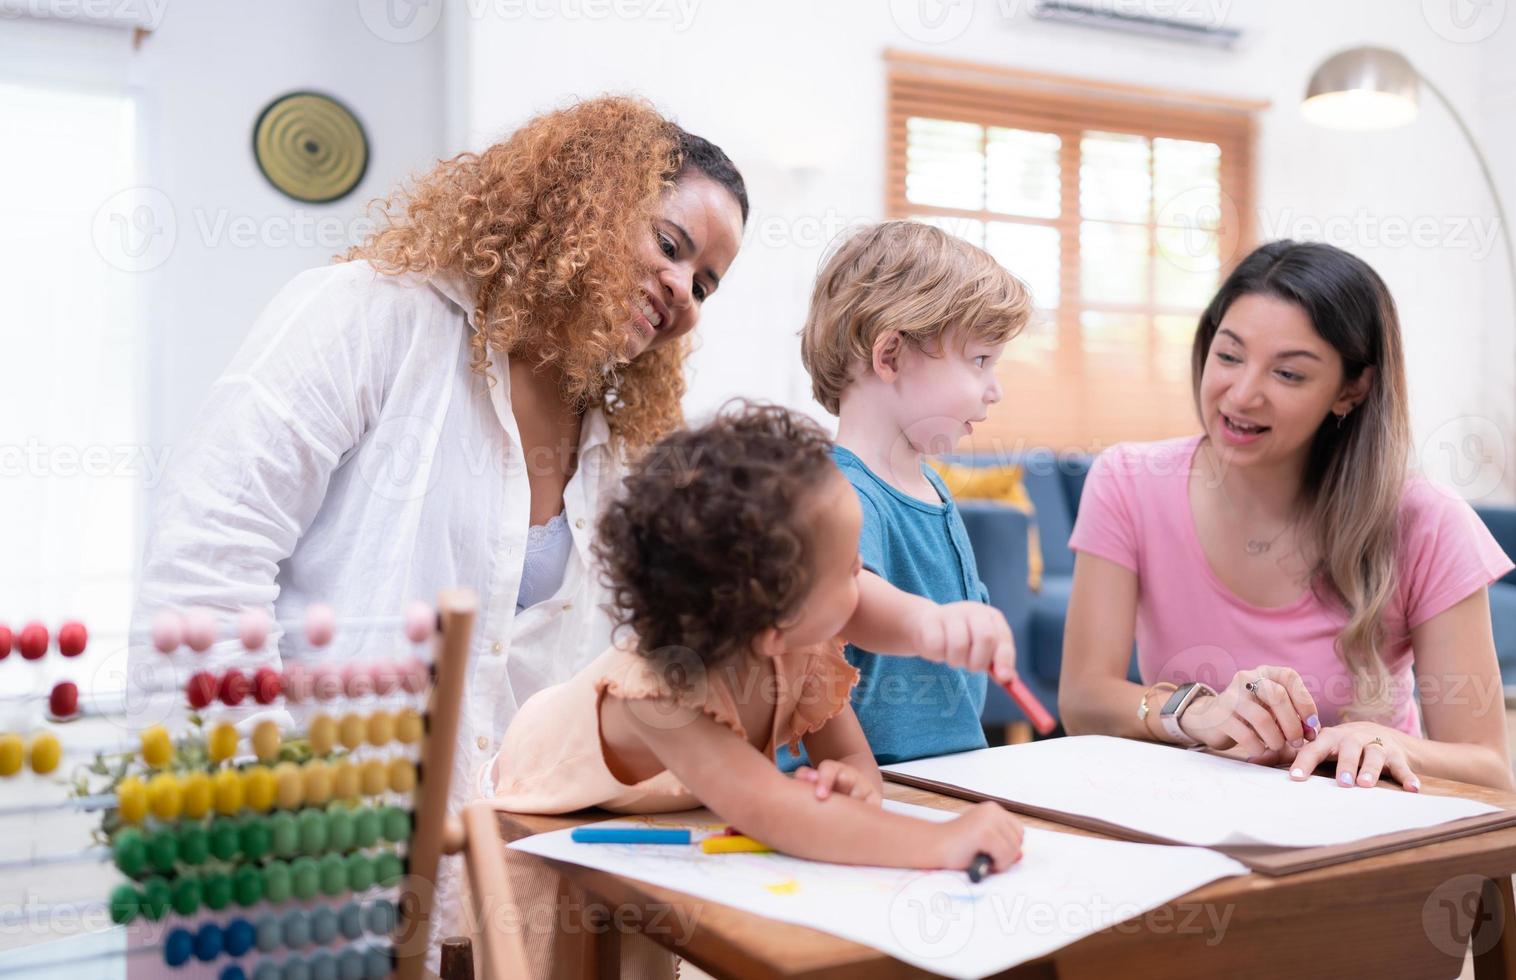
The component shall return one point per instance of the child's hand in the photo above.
(833, 775)
(970, 635)
(987, 828)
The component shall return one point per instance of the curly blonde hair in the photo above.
(546, 227)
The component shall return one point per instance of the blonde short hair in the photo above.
(910, 278)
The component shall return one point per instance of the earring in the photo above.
(1341, 418)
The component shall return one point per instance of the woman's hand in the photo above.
(831, 775)
(985, 828)
(1271, 721)
(1363, 750)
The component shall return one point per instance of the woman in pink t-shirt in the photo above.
(1285, 562)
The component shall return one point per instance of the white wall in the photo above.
(794, 91)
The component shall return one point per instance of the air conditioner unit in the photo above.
(1134, 18)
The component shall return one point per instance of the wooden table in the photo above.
(1406, 914)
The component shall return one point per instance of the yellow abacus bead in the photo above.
(12, 754)
(131, 800)
(351, 730)
(289, 788)
(346, 780)
(408, 726)
(227, 785)
(222, 743)
(157, 749)
(381, 728)
(402, 776)
(196, 787)
(318, 782)
(322, 734)
(164, 796)
(46, 753)
(266, 740)
(375, 777)
(258, 788)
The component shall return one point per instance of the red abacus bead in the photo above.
(234, 687)
(72, 638)
(5, 641)
(266, 685)
(63, 702)
(33, 641)
(201, 689)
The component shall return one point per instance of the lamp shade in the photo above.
(1362, 88)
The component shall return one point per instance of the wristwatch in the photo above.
(1174, 708)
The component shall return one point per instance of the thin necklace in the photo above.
(1256, 547)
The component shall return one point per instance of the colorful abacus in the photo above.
(276, 854)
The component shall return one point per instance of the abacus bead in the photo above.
(164, 796)
(313, 835)
(323, 965)
(350, 964)
(194, 844)
(157, 748)
(256, 839)
(131, 800)
(322, 734)
(232, 972)
(351, 730)
(129, 852)
(402, 775)
(333, 875)
(297, 929)
(284, 834)
(277, 883)
(350, 920)
(12, 754)
(298, 684)
(266, 740)
(377, 964)
(63, 700)
(156, 896)
(290, 788)
(317, 777)
(386, 677)
(217, 889)
(163, 850)
(306, 878)
(196, 787)
(227, 785)
(226, 841)
(234, 687)
(270, 934)
(379, 917)
(320, 624)
(267, 685)
(323, 925)
(366, 826)
(240, 936)
(33, 641)
(420, 620)
(357, 682)
(252, 628)
(45, 753)
(124, 904)
(208, 942)
(360, 872)
(168, 631)
(339, 828)
(381, 728)
(296, 968)
(375, 776)
(188, 895)
(247, 885)
(388, 868)
(178, 947)
(72, 638)
(201, 689)
(326, 683)
(397, 824)
(6, 639)
(259, 788)
(413, 676)
(267, 970)
(199, 630)
(347, 779)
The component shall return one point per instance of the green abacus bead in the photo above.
(156, 898)
(397, 824)
(163, 851)
(225, 840)
(313, 835)
(125, 903)
(339, 828)
(284, 834)
(247, 885)
(217, 889)
(388, 868)
(360, 872)
(366, 826)
(277, 883)
(333, 875)
(194, 844)
(256, 839)
(306, 877)
(188, 895)
(130, 852)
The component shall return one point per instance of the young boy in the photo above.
(905, 327)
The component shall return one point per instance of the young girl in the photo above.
(733, 557)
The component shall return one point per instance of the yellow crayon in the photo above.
(733, 844)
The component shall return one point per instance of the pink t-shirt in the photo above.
(1135, 511)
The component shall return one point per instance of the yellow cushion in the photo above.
(1002, 485)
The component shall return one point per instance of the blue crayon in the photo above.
(628, 835)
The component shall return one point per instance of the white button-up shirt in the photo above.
(350, 455)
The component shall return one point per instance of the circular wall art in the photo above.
(310, 147)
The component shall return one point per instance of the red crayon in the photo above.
(1029, 705)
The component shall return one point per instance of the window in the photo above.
(1122, 209)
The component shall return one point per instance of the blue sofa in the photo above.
(1054, 482)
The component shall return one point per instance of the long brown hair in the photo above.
(547, 228)
(1356, 470)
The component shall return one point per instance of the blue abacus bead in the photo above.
(381, 917)
(296, 968)
(350, 920)
(268, 970)
(350, 964)
(377, 964)
(239, 937)
(233, 972)
(297, 929)
(208, 942)
(323, 966)
(270, 935)
(323, 925)
(178, 947)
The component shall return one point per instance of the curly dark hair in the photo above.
(708, 544)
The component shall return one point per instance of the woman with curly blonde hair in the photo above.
(452, 404)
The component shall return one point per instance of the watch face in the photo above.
(1176, 699)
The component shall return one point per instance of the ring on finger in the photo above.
(1376, 740)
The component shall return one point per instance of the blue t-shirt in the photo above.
(909, 707)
